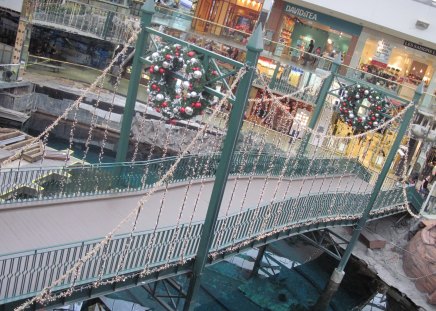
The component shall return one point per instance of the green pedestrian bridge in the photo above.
(80, 231)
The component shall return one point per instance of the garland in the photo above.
(362, 108)
(182, 97)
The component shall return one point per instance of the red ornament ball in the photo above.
(151, 70)
(164, 104)
(168, 57)
(214, 72)
(161, 70)
(182, 109)
(191, 53)
(373, 118)
(197, 105)
(154, 87)
(379, 108)
(177, 54)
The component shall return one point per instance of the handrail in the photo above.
(85, 180)
(328, 209)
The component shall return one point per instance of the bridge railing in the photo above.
(82, 180)
(33, 270)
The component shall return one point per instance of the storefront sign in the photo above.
(301, 13)
(420, 47)
(332, 22)
(383, 52)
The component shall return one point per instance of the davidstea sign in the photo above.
(301, 12)
(332, 22)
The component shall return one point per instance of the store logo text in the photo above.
(420, 47)
(301, 12)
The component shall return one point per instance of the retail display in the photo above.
(174, 98)
(362, 108)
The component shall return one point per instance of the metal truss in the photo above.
(169, 293)
(324, 240)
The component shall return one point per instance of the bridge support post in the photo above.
(254, 47)
(328, 292)
(273, 81)
(147, 12)
(320, 104)
(258, 260)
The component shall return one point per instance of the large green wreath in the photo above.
(362, 108)
(181, 97)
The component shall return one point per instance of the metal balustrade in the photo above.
(83, 180)
(26, 273)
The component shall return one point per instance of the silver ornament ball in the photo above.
(165, 64)
(366, 92)
(160, 97)
(197, 74)
(189, 111)
(185, 84)
(194, 94)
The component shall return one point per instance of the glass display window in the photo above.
(397, 63)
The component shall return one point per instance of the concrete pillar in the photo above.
(331, 288)
(431, 89)
(358, 49)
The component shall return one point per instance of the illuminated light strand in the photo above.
(76, 104)
(275, 100)
(44, 296)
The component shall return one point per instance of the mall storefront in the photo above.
(398, 60)
(293, 27)
(237, 16)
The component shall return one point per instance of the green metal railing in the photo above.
(26, 273)
(99, 179)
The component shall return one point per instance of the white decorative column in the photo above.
(359, 49)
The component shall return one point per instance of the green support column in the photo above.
(254, 47)
(258, 261)
(336, 278)
(147, 12)
(274, 76)
(320, 103)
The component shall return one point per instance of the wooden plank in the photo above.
(372, 240)
(12, 140)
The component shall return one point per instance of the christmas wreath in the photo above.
(181, 97)
(362, 108)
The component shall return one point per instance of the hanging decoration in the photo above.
(363, 108)
(181, 98)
